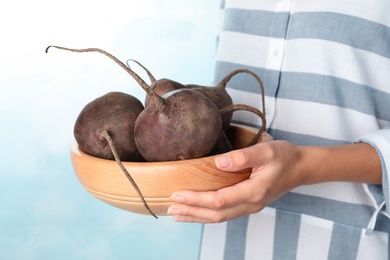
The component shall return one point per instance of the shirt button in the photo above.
(276, 52)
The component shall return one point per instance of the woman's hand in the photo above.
(275, 171)
(277, 167)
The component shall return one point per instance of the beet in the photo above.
(163, 86)
(219, 96)
(105, 129)
(222, 145)
(185, 125)
(160, 86)
(116, 113)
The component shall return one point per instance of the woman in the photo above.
(320, 189)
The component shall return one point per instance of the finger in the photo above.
(240, 193)
(207, 199)
(241, 159)
(185, 213)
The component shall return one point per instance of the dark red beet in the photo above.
(219, 96)
(105, 128)
(222, 145)
(184, 126)
(163, 86)
(115, 112)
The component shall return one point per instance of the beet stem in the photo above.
(150, 75)
(227, 78)
(104, 135)
(156, 98)
(235, 107)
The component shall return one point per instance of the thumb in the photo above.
(236, 160)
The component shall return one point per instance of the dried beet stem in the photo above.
(156, 98)
(150, 75)
(227, 78)
(104, 135)
(226, 110)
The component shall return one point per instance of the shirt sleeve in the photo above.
(380, 140)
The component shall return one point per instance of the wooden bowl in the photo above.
(157, 180)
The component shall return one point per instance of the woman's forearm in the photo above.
(354, 162)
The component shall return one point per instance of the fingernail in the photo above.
(223, 161)
(173, 211)
(177, 198)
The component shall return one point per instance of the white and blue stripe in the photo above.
(325, 66)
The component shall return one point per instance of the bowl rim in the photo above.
(75, 149)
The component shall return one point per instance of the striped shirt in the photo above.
(326, 71)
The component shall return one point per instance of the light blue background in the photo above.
(44, 211)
